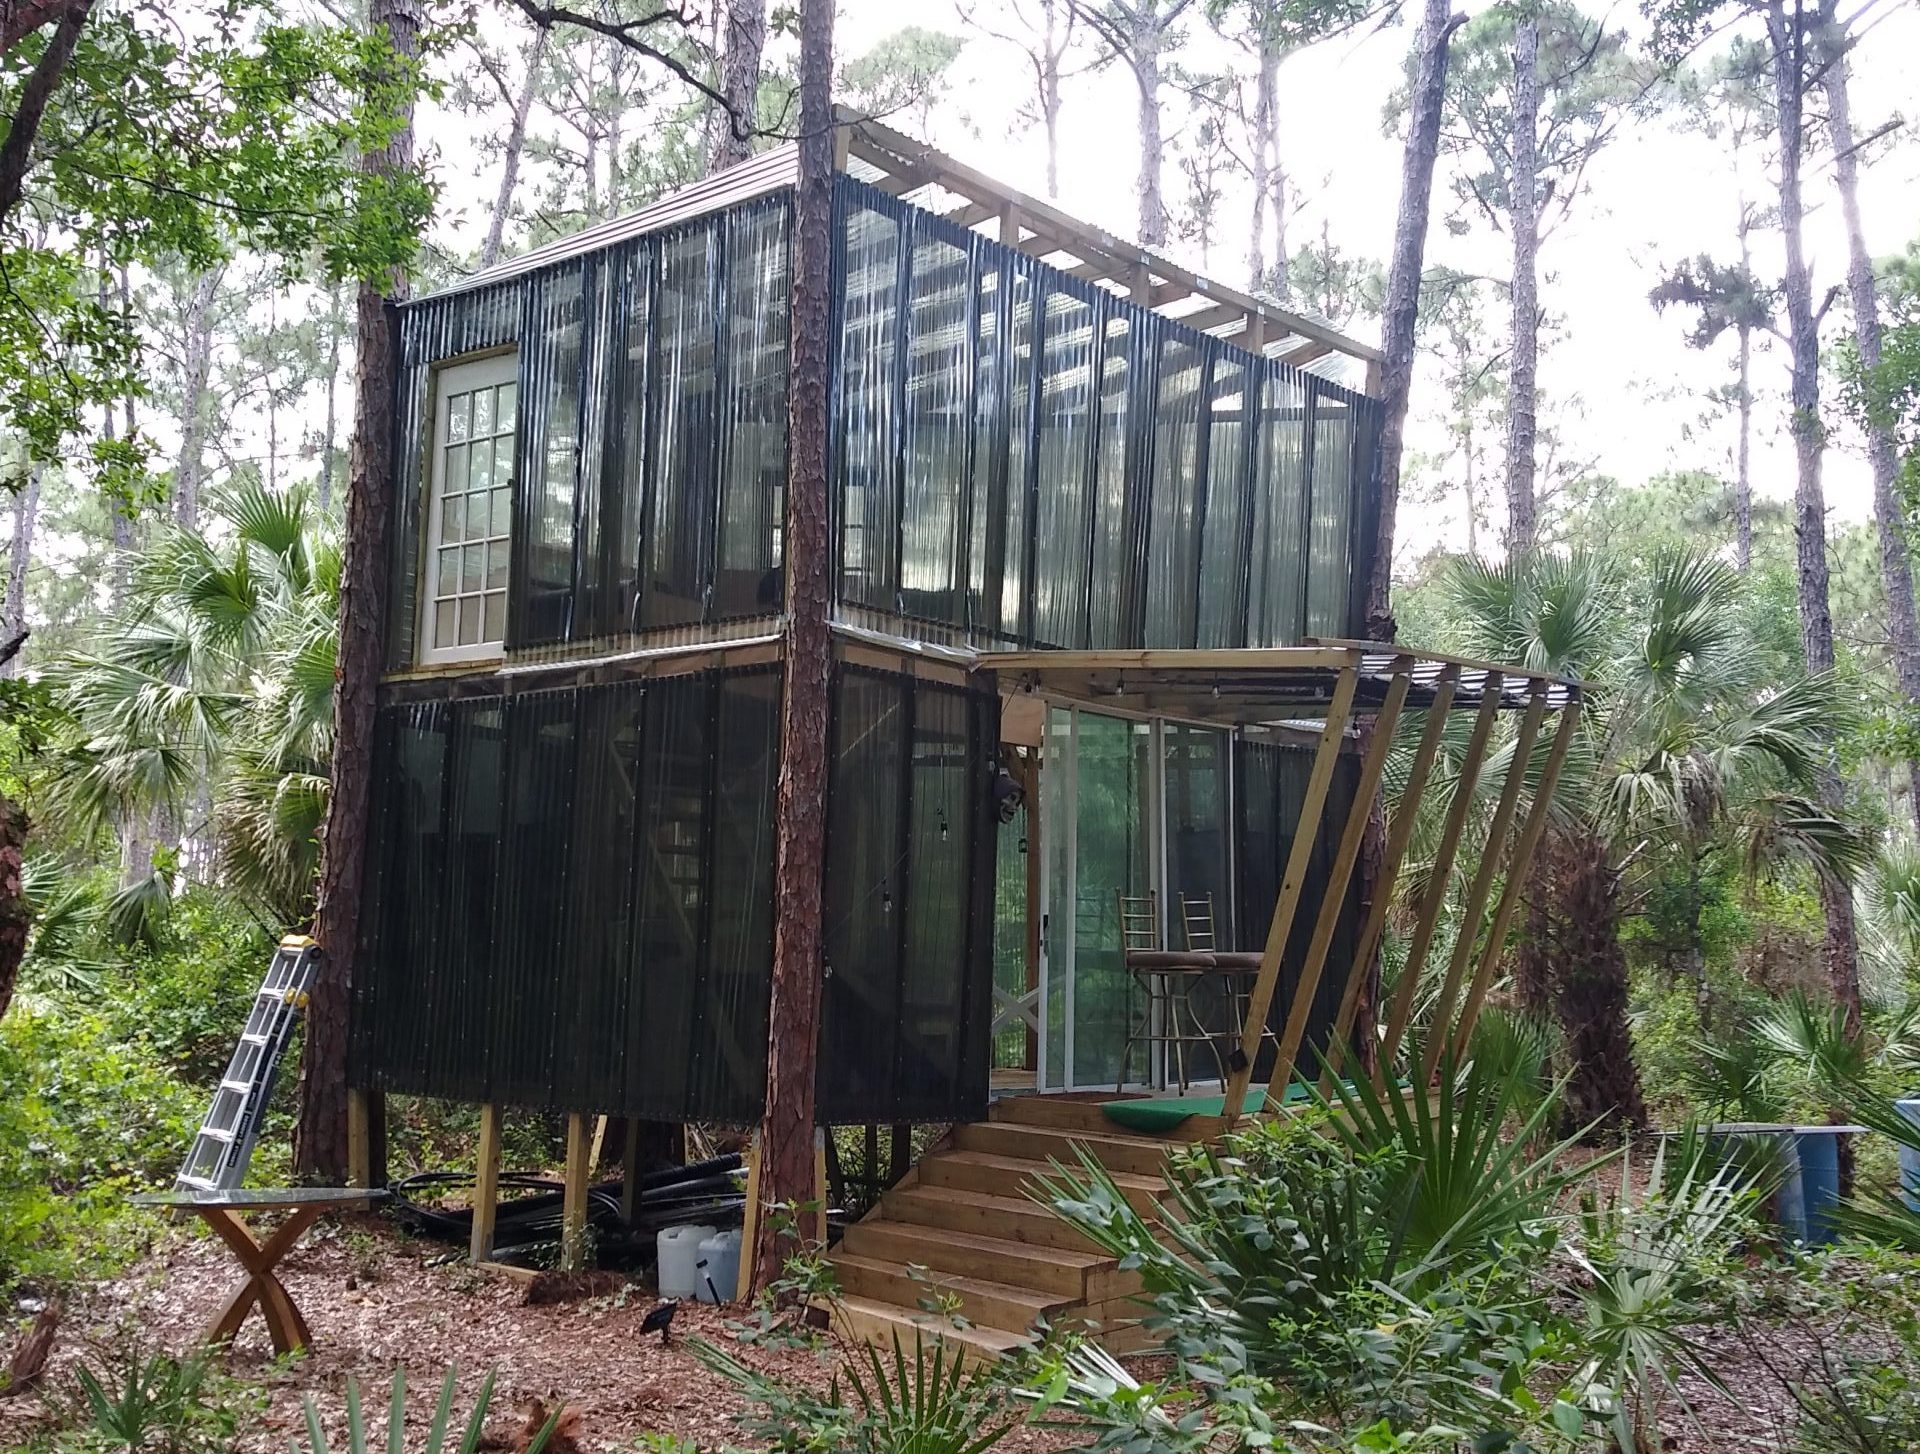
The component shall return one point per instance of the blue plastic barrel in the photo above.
(1819, 1148)
(1910, 1157)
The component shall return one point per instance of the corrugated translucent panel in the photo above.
(593, 498)
(727, 1081)
(627, 490)
(680, 513)
(1011, 847)
(1022, 479)
(542, 590)
(1172, 518)
(431, 333)
(934, 970)
(753, 474)
(1276, 580)
(869, 364)
(1115, 571)
(1064, 431)
(1198, 859)
(987, 514)
(471, 859)
(865, 890)
(1224, 538)
(938, 422)
(1330, 544)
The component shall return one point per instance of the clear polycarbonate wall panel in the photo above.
(542, 595)
(1113, 855)
(1115, 566)
(942, 789)
(1276, 577)
(1329, 561)
(1064, 444)
(1022, 479)
(1224, 537)
(627, 473)
(987, 516)
(680, 523)
(869, 363)
(938, 420)
(1172, 512)
(1198, 821)
(1011, 1045)
(472, 863)
(754, 431)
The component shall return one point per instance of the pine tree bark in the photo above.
(1523, 366)
(320, 1133)
(1403, 297)
(739, 84)
(1896, 561)
(793, 1013)
(1265, 158)
(1788, 41)
(15, 917)
(515, 147)
(1053, 45)
(197, 366)
(13, 612)
(1146, 77)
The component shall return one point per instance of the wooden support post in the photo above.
(1332, 901)
(573, 1204)
(359, 1139)
(750, 1229)
(1035, 866)
(1305, 831)
(599, 1143)
(1442, 871)
(1398, 837)
(486, 1184)
(1476, 905)
(820, 1188)
(630, 1172)
(1518, 863)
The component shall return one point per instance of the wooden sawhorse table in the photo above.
(221, 1210)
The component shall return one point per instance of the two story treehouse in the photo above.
(1102, 531)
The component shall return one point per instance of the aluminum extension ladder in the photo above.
(217, 1160)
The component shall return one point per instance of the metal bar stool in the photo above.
(1237, 968)
(1167, 976)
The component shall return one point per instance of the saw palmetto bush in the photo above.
(203, 710)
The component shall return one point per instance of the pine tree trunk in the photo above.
(516, 146)
(1743, 470)
(13, 613)
(1896, 562)
(320, 1134)
(739, 84)
(793, 1013)
(1265, 103)
(197, 366)
(15, 917)
(1575, 954)
(1523, 368)
(331, 426)
(1048, 62)
(1403, 297)
(1788, 40)
(1146, 75)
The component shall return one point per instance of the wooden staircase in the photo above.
(960, 1232)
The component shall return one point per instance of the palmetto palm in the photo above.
(207, 699)
(1688, 743)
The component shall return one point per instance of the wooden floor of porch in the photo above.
(960, 1231)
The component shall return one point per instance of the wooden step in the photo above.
(1053, 1270)
(1011, 1176)
(1013, 1218)
(990, 1304)
(881, 1324)
(1132, 1154)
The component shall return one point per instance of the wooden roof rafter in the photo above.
(968, 198)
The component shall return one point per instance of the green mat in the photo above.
(1166, 1113)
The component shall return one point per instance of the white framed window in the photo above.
(463, 600)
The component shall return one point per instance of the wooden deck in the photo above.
(960, 1230)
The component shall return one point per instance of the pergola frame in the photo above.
(1366, 686)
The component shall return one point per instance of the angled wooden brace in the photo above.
(1306, 831)
(1517, 867)
(1334, 897)
(1475, 907)
(1444, 854)
(1399, 836)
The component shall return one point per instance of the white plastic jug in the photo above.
(717, 1273)
(679, 1249)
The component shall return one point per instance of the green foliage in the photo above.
(436, 1438)
(153, 1403)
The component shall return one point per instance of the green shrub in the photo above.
(188, 996)
(152, 1403)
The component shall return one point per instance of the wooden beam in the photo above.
(1399, 836)
(1436, 894)
(1518, 864)
(359, 1139)
(1446, 658)
(820, 1187)
(486, 1184)
(573, 1202)
(750, 1230)
(1334, 898)
(598, 1144)
(630, 1172)
(1305, 353)
(1299, 858)
(1476, 904)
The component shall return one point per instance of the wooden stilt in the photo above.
(1398, 837)
(486, 1184)
(598, 1144)
(1517, 866)
(820, 1187)
(1306, 831)
(750, 1230)
(630, 1171)
(573, 1205)
(359, 1139)
(1442, 872)
(1334, 899)
(1476, 905)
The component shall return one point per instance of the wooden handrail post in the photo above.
(1300, 856)
(1518, 865)
(1476, 905)
(1333, 898)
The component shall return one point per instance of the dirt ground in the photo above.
(377, 1300)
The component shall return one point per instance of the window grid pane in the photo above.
(468, 605)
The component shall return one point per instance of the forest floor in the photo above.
(377, 1300)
